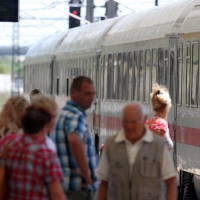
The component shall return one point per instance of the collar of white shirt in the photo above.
(148, 136)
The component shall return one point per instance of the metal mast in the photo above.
(112, 8)
(156, 2)
(90, 10)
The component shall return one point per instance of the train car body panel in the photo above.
(125, 56)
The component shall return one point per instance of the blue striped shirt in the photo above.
(72, 118)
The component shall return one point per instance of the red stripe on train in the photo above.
(184, 135)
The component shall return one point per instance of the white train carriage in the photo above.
(125, 56)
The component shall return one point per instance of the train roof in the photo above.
(173, 18)
(150, 24)
(86, 38)
(44, 49)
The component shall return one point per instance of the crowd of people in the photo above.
(49, 154)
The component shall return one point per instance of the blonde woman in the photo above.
(10, 118)
(161, 103)
(50, 105)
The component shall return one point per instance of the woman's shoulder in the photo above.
(156, 120)
(7, 138)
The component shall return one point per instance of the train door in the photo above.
(97, 105)
(173, 88)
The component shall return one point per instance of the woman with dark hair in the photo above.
(33, 169)
(161, 103)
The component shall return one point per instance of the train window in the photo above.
(102, 78)
(105, 67)
(195, 74)
(130, 75)
(119, 64)
(93, 68)
(125, 76)
(136, 77)
(166, 68)
(147, 75)
(80, 66)
(154, 67)
(84, 64)
(115, 77)
(141, 75)
(89, 67)
(67, 87)
(160, 66)
(109, 76)
(180, 67)
(57, 86)
(188, 71)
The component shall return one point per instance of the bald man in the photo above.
(135, 163)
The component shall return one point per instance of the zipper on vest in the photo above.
(130, 192)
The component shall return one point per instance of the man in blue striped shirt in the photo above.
(74, 144)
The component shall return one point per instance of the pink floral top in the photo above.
(157, 124)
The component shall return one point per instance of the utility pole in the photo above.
(112, 8)
(90, 10)
(156, 2)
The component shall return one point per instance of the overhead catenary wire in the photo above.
(68, 13)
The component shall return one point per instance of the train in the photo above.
(125, 56)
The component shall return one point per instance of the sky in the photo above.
(40, 18)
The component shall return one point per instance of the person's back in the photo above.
(28, 162)
(33, 170)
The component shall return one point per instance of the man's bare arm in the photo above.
(78, 152)
(171, 188)
(102, 192)
(56, 191)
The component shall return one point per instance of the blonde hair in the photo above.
(9, 115)
(34, 93)
(160, 98)
(45, 102)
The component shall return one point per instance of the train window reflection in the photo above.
(120, 76)
(67, 88)
(115, 81)
(141, 76)
(195, 73)
(125, 77)
(109, 76)
(136, 77)
(57, 86)
(180, 67)
(105, 66)
(160, 66)
(188, 66)
(130, 77)
(147, 75)
(166, 68)
(154, 66)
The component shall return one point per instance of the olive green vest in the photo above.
(144, 183)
